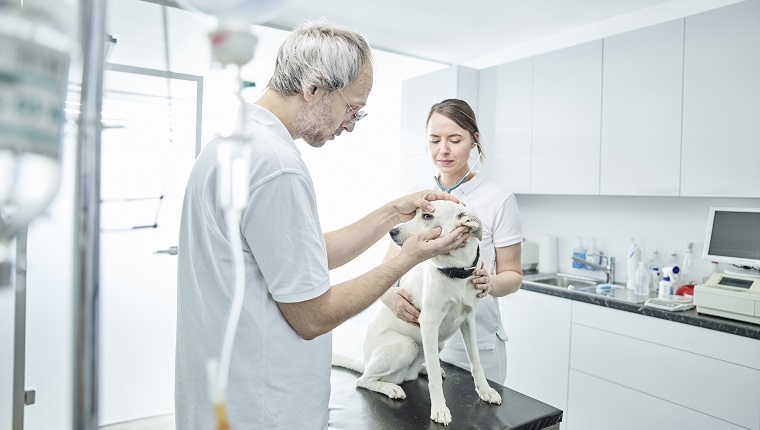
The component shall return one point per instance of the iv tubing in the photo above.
(232, 216)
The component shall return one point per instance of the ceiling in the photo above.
(482, 33)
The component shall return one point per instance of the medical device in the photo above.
(733, 237)
(232, 44)
(450, 189)
(34, 76)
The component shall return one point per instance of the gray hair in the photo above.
(319, 54)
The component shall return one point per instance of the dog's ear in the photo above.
(472, 222)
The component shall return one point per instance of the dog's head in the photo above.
(447, 215)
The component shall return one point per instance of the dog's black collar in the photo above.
(461, 272)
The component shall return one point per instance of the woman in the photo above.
(452, 133)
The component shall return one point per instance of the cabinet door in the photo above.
(721, 130)
(597, 404)
(538, 350)
(641, 111)
(567, 94)
(509, 155)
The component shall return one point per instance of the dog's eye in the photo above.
(427, 216)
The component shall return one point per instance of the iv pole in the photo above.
(87, 219)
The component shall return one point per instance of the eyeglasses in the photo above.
(356, 116)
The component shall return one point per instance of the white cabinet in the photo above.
(567, 93)
(641, 111)
(538, 326)
(721, 103)
(597, 404)
(633, 371)
(419, 94)
(507, 90)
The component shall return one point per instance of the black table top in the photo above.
(353, 408)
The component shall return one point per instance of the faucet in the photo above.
(608, 268)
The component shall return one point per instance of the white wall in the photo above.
(664, 223)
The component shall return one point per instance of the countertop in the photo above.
(353, 408)
(690, 317)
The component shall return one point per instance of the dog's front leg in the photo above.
(439, 412)
(485, 391)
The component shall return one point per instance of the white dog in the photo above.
(396, 351)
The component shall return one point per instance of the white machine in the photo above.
(733, 237)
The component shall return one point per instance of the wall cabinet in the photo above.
(567, 90)
(641, 111)
(505, 119)
(721, 103)
(538, 326)
(667, 110)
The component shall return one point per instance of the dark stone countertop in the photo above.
(353, 408)
(690, 317)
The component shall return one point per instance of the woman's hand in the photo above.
(482, 281)
(399, 301)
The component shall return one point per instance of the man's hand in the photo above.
(407, 206)
(430, 243)
(399, 301)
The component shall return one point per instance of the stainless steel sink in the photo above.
(583, 285)
(561, 280)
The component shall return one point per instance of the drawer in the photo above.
(714, 387)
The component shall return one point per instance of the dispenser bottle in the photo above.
(633, 261)
(674, 261)
(642, 280)
(655, 265)
(666, 284)
(579, 251)
(687, 266)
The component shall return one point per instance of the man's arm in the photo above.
(347, 243)
(318, 316)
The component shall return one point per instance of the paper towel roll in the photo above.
(547, 255)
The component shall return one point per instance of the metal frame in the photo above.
(19, 333)
(172, 75)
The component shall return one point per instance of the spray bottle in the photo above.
(633, 259)
(666, 285)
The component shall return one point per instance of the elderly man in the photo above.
(280, 366)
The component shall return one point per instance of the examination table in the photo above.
(354, 408)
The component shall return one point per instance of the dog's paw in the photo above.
(490, 395)
(395, 392)
(441, 415)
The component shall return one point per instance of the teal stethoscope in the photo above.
(449, 189)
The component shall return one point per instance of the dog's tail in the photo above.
(347, 362)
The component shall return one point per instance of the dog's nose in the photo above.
(393, 232)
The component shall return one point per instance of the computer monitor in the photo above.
(733, 237)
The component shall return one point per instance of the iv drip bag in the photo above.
(34, 70)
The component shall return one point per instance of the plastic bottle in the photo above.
(666, 284)
(633, 260)
(655, 265)
(673, 261)
(687, 266)
(593, 255)
(579, 251)
(642, 280)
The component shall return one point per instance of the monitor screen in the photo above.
(733, 236)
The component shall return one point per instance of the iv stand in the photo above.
(87, 219)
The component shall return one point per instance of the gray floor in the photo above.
(161, 422)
